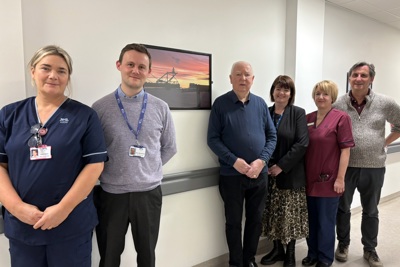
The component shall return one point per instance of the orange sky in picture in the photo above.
(190, 68)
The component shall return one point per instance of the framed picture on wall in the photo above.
(179, 77)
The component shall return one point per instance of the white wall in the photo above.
(12, 81)
(349, 38)
(309, 48)
(93, 32)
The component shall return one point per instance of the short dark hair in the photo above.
(137, 47)
(361, 64)
(283, 81)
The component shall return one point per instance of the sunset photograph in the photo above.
(179, 77)
(190, 68)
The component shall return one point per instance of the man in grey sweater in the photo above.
(140, 138)
(369, 112)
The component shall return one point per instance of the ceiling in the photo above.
(385, 11)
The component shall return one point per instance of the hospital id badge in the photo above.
(41, 152)
(137, 151)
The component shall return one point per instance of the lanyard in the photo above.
(121, 107)
(279, 121)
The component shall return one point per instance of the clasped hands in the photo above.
(251, 170)
(48, 219)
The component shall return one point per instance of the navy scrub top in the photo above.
(74, 132)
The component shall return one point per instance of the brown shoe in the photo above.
(372, 259)
(342, 252)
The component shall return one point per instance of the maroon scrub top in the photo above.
(323, 153)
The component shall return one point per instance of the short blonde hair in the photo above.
(327, 87)
(52, 50)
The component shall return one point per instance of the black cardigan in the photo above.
(291, 147)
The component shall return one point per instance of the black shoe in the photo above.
(321, 264)
(290, 259)
(276, 254)
(307, 261)
(251, 264)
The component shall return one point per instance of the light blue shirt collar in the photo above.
(122, 94)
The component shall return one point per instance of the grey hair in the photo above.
(371, 68)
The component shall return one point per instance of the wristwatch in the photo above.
(263, 162)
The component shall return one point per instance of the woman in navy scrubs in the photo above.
(52, 152)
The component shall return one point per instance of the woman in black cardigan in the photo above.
(285, 217)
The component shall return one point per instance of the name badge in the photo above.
(41, 152)
(137, 151)
(310, 124)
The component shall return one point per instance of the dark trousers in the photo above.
(322, 218)
(76, 252)
(142, 210)
(236, 191)
(369, 182)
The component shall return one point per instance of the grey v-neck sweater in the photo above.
(369, 128)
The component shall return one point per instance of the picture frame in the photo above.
(180, 77)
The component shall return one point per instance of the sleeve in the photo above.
(299, 147)
(168, 138)
(270, 136)
(93, 142)
(393, 116)
(214, 135)
(344, 132)
(3, 130)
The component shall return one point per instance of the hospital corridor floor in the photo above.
(388, 241)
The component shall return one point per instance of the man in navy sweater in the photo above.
(242, 135)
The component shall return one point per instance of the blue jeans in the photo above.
(236, 191)
(369, 182)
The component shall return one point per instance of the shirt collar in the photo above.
(354, 100)
(234, 97)
(122, 94)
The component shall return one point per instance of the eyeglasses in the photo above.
(38, 131)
